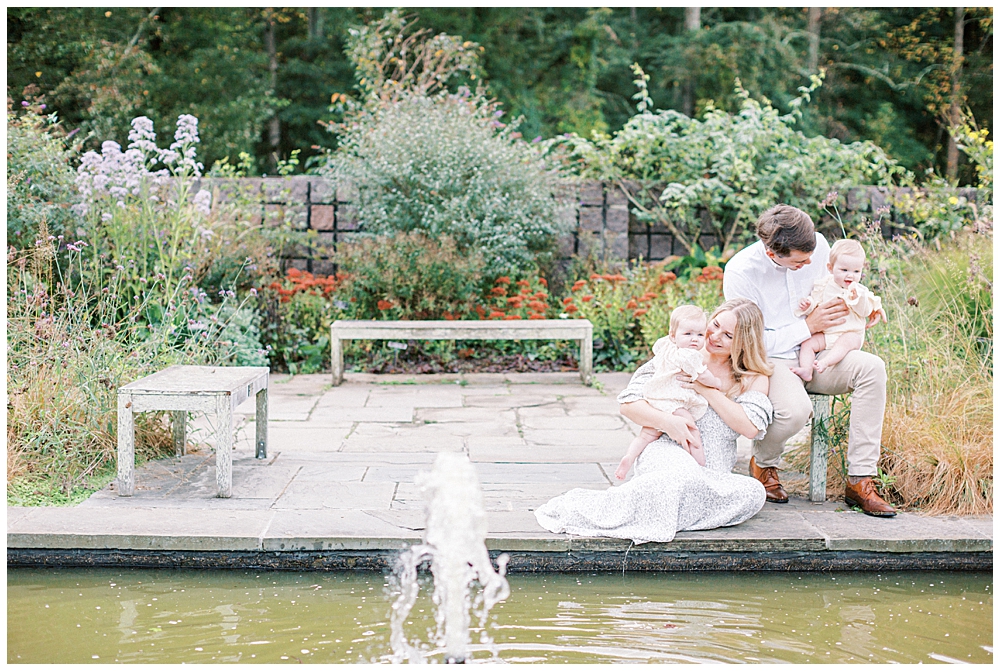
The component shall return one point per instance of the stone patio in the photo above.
(337, 489)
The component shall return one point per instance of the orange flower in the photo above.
(618, 278)
(509, 317)
(523, 283)
(567, 300)
(541, 295)
(587, 299)
(667, 277)
(515, 301)
(632, 304)
(571, 309)
(579, 284)
(480, 311)
(293, 272)
(448, 316)
(496, 314)
(503, 280)
(544, 282)
(640, 312)
(538, 306)
(384, 305)
(525, 291)
(498, 291)
(595, 276)
(536, 316)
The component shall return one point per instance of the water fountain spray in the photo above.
(454, 542)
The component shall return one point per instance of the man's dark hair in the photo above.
(784, 228)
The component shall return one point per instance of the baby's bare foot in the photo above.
(805, 373)
(819, 366)
(623, 468)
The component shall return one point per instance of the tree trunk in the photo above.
(955, 113)
(315, 24)
(692, 23)
(274, 127)
(815, 15)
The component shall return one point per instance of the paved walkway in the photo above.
(337, 488)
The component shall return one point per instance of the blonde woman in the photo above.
(670, 491)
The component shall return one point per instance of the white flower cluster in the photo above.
(113, 175)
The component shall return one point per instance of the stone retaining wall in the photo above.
(598, 214)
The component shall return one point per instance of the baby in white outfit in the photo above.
(847, 262)
(680, 352)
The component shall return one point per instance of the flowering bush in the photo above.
(520, 299)
(424, 159)
(408, 276)
(297, 313)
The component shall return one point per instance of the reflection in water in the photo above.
(77, 616)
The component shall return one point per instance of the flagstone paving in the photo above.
(342, 463)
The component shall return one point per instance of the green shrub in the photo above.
(409, 276)
(423, 158)
(729, 167)
(40, 178)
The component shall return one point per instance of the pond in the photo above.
(158, 616)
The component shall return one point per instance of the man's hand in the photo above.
(876, 317)
(832, 313)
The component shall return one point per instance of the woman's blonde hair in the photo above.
(747, 356)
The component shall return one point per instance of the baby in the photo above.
(680, 352)
(847, 260)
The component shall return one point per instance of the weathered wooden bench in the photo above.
(580, 330)
(819, 446)
(184, 389)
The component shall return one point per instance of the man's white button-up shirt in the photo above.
(776, 291)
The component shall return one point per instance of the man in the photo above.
(775, 272)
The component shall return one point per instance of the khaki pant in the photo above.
(860, 373)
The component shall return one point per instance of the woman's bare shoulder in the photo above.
(761, 383)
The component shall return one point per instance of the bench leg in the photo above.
(336, 359)
(224, 446)
(261, 421)
(819, 448)
(586, 359)
(126, 446)
(179, 421)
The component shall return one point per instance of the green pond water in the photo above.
(104, 616)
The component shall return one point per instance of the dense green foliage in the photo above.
(730, 167)
(888, 70)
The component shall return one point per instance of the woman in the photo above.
(670, 492)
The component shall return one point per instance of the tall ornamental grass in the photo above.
(938, 348)
(115, 298)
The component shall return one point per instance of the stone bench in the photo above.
(184, 389)
(819, 446)
(580, 330)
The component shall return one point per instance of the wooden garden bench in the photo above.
(580, 330)
(184, 389)
(819, 446)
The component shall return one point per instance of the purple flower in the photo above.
(42, 106)
(24, 103)
(537, 140)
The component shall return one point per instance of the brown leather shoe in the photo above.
(769, 478)
(864, 496)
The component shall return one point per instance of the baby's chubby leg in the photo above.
(635, 448)
(807, 356)
(848, 342)
(696, 450)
